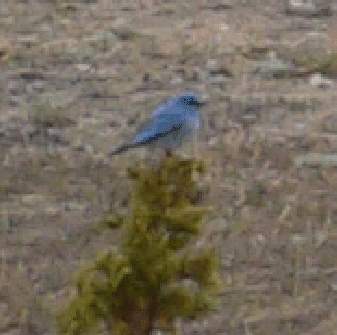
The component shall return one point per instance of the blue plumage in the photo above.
(171, 123)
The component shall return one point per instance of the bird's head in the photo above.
(190, 99)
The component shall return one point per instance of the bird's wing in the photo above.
(158, 127)
(165, 108)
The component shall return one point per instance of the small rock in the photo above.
(319, 81)
(156, 332)
(298, 239)
(213, 141)
(176, 81)
(273, 67)
(83, 148)
(329, 124)
(333, 287)
(14, 101)
(114, 124)
(30, 74)
(38, 85)
(321, 238)
(83, 67)
(309, 8)
(217, 73)
(27, 41)
(15, 88)
(5, 48)
(215, 68)
(56, 136)
(218, 80)
(316, 160)
(31, 199)
(257, 52)
(218, 5)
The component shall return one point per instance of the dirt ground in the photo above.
(78, 77)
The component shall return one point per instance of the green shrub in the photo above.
(326, 65)
(158, 273)
(47, 116)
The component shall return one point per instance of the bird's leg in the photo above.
(195, 146)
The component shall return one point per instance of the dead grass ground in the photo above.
(97, 68)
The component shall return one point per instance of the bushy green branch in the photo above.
(157, 275)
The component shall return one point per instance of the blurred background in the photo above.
(78, 77)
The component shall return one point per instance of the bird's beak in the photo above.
(202, 101)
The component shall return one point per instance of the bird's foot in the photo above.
(168, 153)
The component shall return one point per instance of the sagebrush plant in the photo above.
(326, 64)
(158, 273)
(45, 115)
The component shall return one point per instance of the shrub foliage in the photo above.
(159, 273)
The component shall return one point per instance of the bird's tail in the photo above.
(123, 148)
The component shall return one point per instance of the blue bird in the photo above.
(171, 123)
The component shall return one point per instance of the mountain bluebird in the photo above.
(171, 123)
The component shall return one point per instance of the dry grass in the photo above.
(326, 65)
(88, 73)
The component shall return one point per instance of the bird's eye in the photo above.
(190, 101)
(194, 102)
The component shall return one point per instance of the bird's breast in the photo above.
(193, 122)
